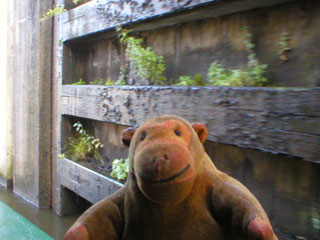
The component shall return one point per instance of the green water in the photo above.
(19, 218)
(13, 226)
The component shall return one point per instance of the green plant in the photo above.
(120, 82)
(56, 11)
(249, 75)
(249, 46)
(82, 146)
(197, 80)
(123, 76)
(284, 46)
(109, 82)
(53, 12)
(98, 81)
(143, 60)
(60, 42)
(120, 168)
(80, 82)
(217, 75)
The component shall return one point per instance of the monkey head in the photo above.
(165, 157)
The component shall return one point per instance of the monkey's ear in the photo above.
(201, 130)
(127, 135)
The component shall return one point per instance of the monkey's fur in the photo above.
(173, 192)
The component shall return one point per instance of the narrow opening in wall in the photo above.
(104, 138)
(80, 204)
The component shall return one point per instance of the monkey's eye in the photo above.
(177, 132)
(143, 136)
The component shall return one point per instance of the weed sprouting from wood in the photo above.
(82, 146)
(250, 75)
(53, 12)
(80, 82)
(197, 80)
(143, 60)
(120, 168)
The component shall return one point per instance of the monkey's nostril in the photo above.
(154, 160)
(159, 159)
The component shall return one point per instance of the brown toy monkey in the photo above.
(173, 192)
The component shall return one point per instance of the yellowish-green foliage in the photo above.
(53, 12)
(247, 76)
(109, 82)
(120, 168)
(82, 146)
(197, 80)
(80, 82)
(123, 76)
(284, 46)
(120, 82)
(149, 66)
(56, 11)
(250, 75)
(143, 60)
(98, 81)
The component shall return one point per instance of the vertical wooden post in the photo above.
(32, 102)
(62, 199)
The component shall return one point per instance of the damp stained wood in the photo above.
(274, 120)
(98, 16)
(86, 183)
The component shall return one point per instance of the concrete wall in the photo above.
(32, 102)
(6, 48)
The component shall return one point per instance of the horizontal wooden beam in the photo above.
(88, 184)
(101, 16)
(276, 120)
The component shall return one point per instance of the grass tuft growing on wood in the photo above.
(82, 146)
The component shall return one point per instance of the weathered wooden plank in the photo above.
(287, 187)
(276, 120)
(85, 182)
(62, 200)
(32, 69)
(102, 15)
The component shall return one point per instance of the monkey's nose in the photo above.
(159, 159)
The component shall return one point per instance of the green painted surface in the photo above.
(13, 226)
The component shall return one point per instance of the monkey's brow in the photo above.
(161, 141)
(166, 124)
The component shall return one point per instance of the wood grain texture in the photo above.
(216, 39)
(86, 183)
(287, 187)
(32, 102)
(275, 120)
(62, 200)
(98, 16)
